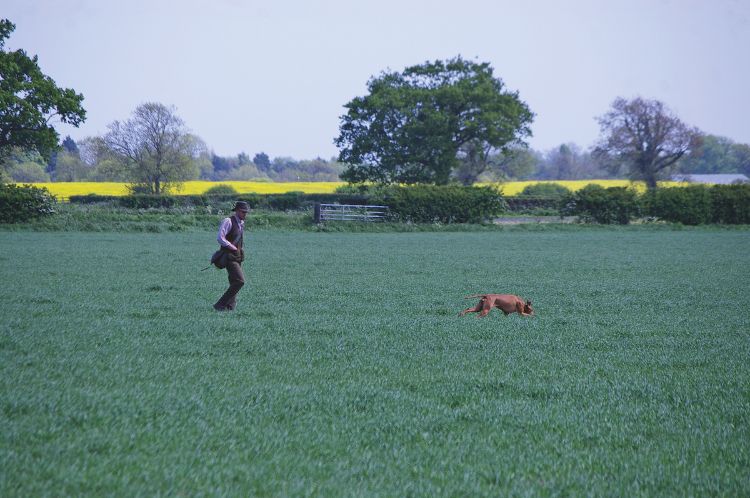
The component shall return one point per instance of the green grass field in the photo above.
(346, 371)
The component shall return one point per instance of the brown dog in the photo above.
(507, 303)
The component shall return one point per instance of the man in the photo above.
(230, 239)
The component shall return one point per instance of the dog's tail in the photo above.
(475, 295)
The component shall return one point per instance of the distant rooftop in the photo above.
(724, 179)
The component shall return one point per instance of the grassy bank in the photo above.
(346, 371)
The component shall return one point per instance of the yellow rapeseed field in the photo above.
(63, 190)
(515, 188)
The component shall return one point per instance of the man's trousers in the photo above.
(236, 280)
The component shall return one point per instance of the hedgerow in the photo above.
(19, 203)
(692, 205)
(613, 205)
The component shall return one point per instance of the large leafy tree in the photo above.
(153, 148)
(416, 126)
(31, 101)
(644, 137)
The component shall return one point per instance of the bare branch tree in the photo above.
(645, 137)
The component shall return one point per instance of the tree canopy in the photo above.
(645, 137)
(717, 155)
(414, 126)
(154, 148)
(30, 101)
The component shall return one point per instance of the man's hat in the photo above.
(241, 206)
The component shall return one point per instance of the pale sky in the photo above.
(273, 76)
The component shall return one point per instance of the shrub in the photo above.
(220, 190)
(554, 190)
(432, 204)
(613, 205)
(730, 204)
(687, 205)
(19, 203)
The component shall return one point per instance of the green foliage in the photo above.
(613, 205)
(70, 168)
(730, 204)
(120, 380)
(441, 204)
(725, 204)
(717, 155)
(545, 190)
(515, 162)
(147, 201)
(430, 203)
(154, 149)
(687, 205)
(288, 201)
(28, 172)
(94, 199)
(411, 126)
(699, 204)
(29, 100)
(221, 190)
(21, 203)
(540, 206)
(23, 165)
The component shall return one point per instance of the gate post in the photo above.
(316, 217)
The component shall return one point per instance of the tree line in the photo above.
(87, 160)
(437, 123)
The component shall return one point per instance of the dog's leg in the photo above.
(486, 307)
(475, 309)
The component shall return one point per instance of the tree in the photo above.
(512, 163)
(222, 166)
(645, 137)
(515, 163)
(262, 161)
(30, 101)
(70, 168)
(717, 155)
(243, 159)
(153, 148)
(101, 165)
(70, 145)
(23, 165)
(413, 125)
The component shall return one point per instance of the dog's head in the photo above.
(527, 308)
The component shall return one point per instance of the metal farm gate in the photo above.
(349, 212)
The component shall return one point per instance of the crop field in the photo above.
(63, 190)
(345, 370)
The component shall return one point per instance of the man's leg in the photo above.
(236, 280)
